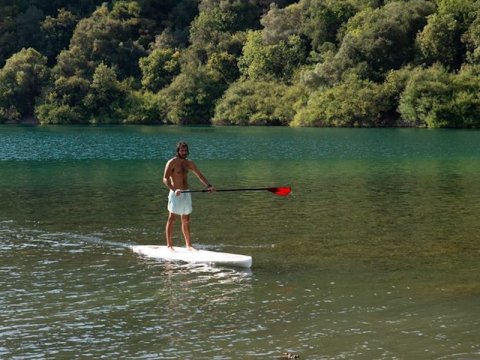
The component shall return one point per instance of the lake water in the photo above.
(374, 255)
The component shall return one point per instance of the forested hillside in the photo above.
(244, 62)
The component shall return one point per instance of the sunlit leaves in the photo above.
(354, 102)
(438, 98)
(441, 39)
(21, 82)
(280, 24)
(106, 95)
(256, 103)
(268, 62)
(57, 32)
(105, 38)
(379, 40)
(159, 68)
(190, 98)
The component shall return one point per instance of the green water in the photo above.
(374, 255)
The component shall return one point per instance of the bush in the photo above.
(436, 98)
(9, 114)
(143, 108)
(59, 114)
(191, 97)
(355, 102)
(255, 103)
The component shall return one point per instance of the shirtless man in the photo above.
(175, 178)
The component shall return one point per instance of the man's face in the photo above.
(183, 152)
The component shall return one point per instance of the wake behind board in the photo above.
(195, 256)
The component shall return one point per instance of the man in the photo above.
(175, 178)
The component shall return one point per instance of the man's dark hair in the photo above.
(180, 145)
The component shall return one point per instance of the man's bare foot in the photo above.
(170, 248)
(189, 248)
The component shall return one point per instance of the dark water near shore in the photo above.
(374, 255)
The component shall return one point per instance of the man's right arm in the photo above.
(166, 175)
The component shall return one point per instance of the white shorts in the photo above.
(180, 205)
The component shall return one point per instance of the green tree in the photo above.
(106, 96)
(166, 20)
(59, 114)
(471, 39)
(246, 14)
(159, 68)
(21, 81)
(441, 39)
(107, 38)
(466, 84)
(57, 32)
(394, 86)
(436, 98)
(271, 62)
(62, 102)
(352, 103)
(280, 24)
(211, 28)
(191, 97)
(216, 39)
(224, 65)
(73, 62)
(425, 96)
(143, 108)
(252, 102)
(21, 22)
(322, 20)
(377, 40)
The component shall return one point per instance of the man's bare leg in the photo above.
(186, 231)
(169, 230)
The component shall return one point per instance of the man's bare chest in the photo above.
(180, 168)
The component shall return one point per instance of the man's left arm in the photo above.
(200, 176)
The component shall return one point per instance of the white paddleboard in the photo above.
(193, 256)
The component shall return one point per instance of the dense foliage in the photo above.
(365, 63)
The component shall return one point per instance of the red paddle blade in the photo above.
(280, 191)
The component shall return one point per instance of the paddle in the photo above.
(280, 191)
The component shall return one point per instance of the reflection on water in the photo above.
(72, 290)
(64, 294)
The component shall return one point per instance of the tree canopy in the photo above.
(361, 63)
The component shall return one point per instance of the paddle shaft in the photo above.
(243, 189)
(280, 191)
